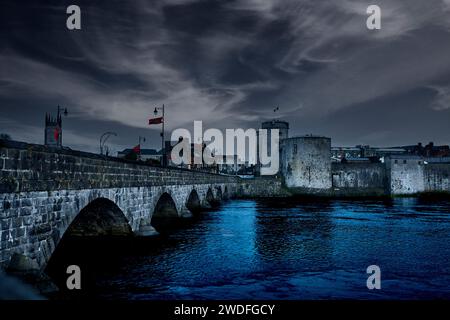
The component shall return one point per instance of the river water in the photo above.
(282, 249)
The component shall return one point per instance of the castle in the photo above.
(307, 166)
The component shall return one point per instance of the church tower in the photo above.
(53, 131)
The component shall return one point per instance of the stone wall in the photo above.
(437, 177)
(32, 223)
(406, 175)
(26, 167)
(306, 163)
(364, 179)
(262, 187)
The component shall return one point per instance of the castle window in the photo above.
(295, 148)
(404, 161)
(395, 161)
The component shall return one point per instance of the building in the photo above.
(282, 126)
(430, 150)
(364, 151)
(231, 164)
(144, 155)
(307, 168)
(405, 174)
(357, 160)
(385, 152)
(194, 153)
(53, 131)
(306, 163)
(339, 153)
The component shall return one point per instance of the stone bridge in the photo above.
(44, 193)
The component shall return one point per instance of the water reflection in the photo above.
(284, 249)
(289, 234)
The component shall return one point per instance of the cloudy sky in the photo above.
(228, 63)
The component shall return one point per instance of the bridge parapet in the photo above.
(27, 167)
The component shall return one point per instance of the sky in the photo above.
(229, 64)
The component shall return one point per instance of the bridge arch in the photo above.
(193, 202)
(100, 218)
(226, 194)
(210, 196)
(240, 191)
(213, 197)
(219, 194)
(165, 212)
(165, 207)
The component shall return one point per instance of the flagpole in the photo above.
(162, 138)
(163, 152)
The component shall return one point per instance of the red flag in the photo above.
(156, 120)
(137, 149)
(56, 134)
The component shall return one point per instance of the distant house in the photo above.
(429, 150)
(345, 152)
(355, 160)
(363, 151)
(197, 151)
(231, 164)
(145, 154)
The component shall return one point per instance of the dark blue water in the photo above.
(293, 250)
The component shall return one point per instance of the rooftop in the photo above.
(404, 156)
(276, 122)
(309, 136)
(354, 159)
(147, 152)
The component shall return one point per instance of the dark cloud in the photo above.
(227, 63)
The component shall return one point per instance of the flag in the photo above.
(137, 149)
(56, 134)
(156, 120)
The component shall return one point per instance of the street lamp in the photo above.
(105, 137)
(155, 112)
(64, 112)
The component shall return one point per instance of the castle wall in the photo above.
(306, 163)
(406, 175)
(437, 177)
(350, 179)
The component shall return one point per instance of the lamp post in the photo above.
(105, 137)
(163, 152)
(65, 111)
(140, 149)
